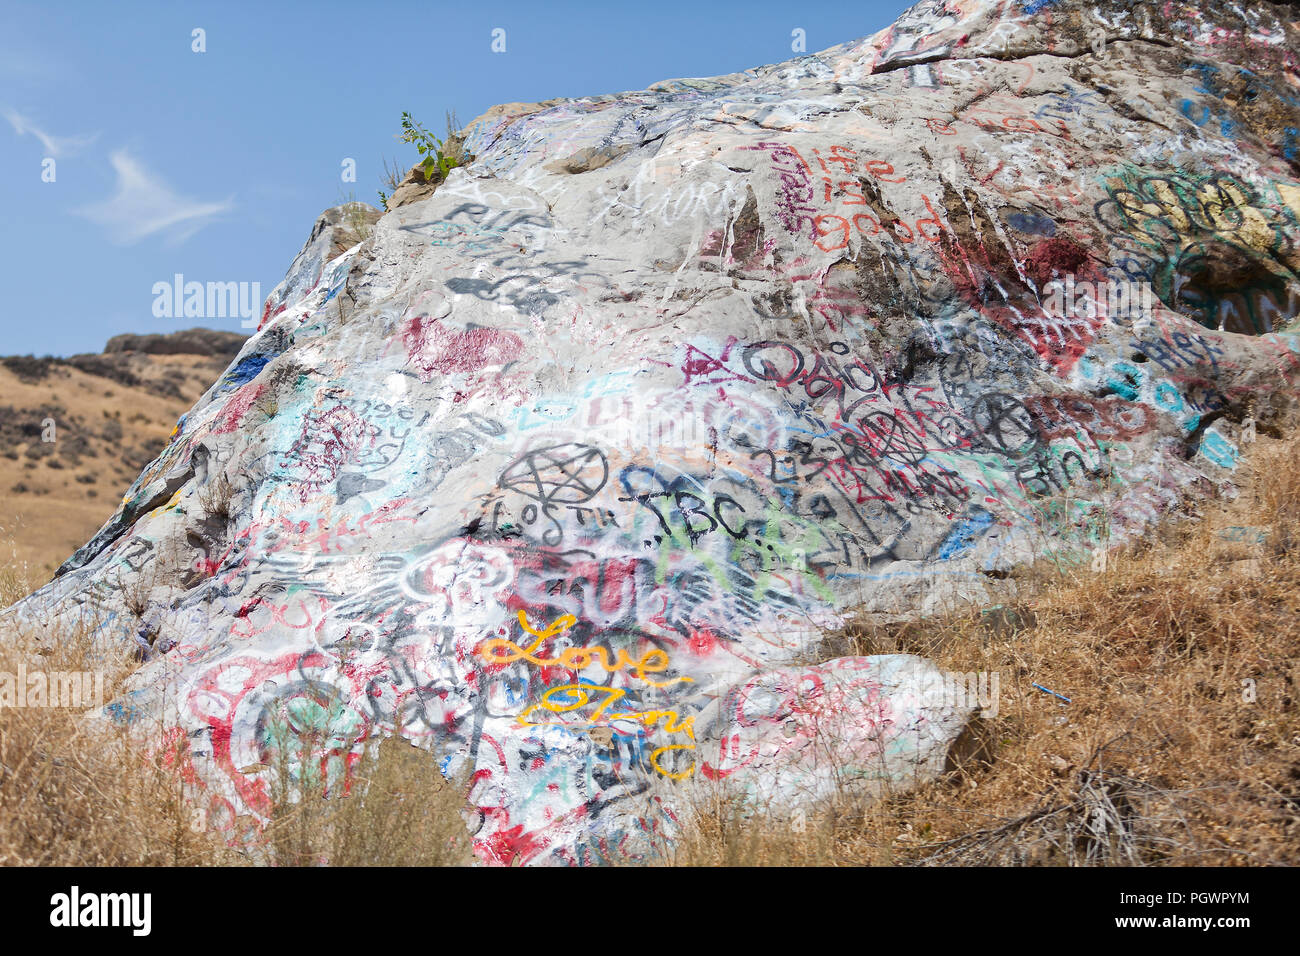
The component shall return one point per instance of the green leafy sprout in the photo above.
(439, 156)
(437, 163)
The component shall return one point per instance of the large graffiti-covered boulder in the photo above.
(567, 469)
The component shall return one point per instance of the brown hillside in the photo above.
(112, 413)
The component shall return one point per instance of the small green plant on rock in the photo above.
(438, 161)
(440, 156)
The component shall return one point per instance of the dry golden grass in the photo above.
(399, 811)
(1181, 741)
(78, 792)
(84, 792)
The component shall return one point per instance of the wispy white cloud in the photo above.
(142, 204)
(56, 146)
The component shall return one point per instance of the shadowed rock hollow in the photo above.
(567, 469)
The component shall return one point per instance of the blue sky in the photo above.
(215, 164)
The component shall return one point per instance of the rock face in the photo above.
(566, 470)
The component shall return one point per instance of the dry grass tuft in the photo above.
(76, 791)
(398, 810)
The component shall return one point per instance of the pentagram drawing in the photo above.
(559, 474)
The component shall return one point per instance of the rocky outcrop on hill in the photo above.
(207, 342)
(568, 469)
(125, 359)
